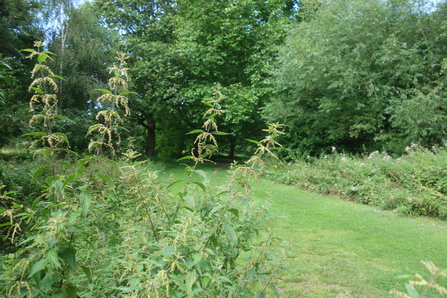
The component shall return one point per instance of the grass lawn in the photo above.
(343, 249)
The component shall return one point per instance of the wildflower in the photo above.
(344, 159)
(372, 154)
(333, 149)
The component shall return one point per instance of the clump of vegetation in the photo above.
(413, 184)
(108, 227)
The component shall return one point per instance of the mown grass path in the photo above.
(343, 249)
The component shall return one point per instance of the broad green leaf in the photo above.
(173, 183)
(127, 92)
(56, 77)
(195, 131)
(35, 202)
(87, 272)
(51, 255)
(48, 52)
(118, 127)
(168, 251)
(201, 186)
(58, 186)
(42, 57)
(64, 118)
(68, 255)
(37, 172)
(189, 199)
(85, 199)
(71, 178)
(231, 233)
(411, 291)
(108, 180)
(28, 50)
(36, 134)
(114, 163)
(190, 279)
(38, 266)
(253, 141)
(104, 90)
(220, 133)
(93, 128)
(185, 157)
(68, 165)
(234, 211)
(38, 90)
(201, 173)
(62, 136)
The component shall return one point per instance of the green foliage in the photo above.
(363, 73)
(437, 275)
(102, 227)
(413, 184)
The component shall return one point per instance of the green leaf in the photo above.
(93, 128)
(173, 183)
(118, 127)
(38, 266)
(37, 172)
(71, 178)
(85, 199)
(411, 291)
(104, 90)
(185, 157)
(68, 255)
(220, 133)
(48, 52)
(114, 163)
(231, 233)
(168, 251)
(35, 202)
(58, 186)
(87, 272)
(117, 74)
(28, 50)
(42, 57)
(62, 136)
(191, 278)
(253, 141)
(56, 76)
(201, 173)
(127, 92)
(201, 186)
(36, 134)
(51, 255)
(189, 199)
(234, 211)
(195, 131)
(108, 180)
(64, 118)
(38, 90)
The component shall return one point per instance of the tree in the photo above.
(348, 73)
(18, 30)
(84, 55)
(232, 44)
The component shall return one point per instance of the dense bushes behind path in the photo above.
(414, 184)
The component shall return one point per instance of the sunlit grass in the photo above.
(340, 248)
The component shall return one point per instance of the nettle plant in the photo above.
(111, 228)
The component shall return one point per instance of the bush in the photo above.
(414, 184)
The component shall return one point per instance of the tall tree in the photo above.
(19, 28)
(84, 56)
(353, 72)
(232, 44)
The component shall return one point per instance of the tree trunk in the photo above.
(232, 146)
(150, 141)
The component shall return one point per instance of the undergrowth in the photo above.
(413, 184)
(102, 225)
